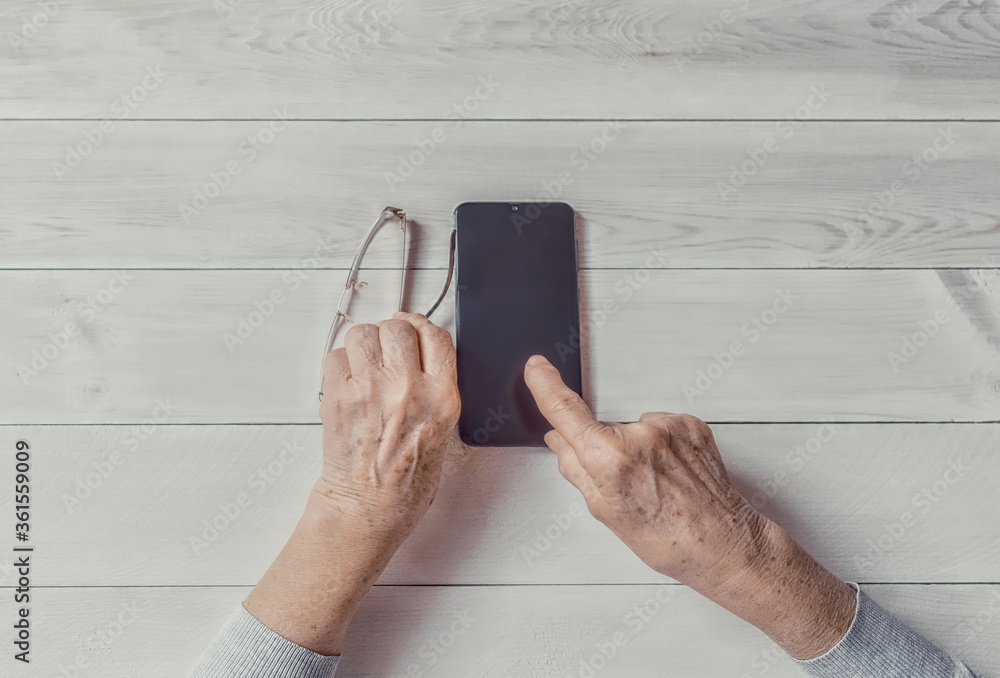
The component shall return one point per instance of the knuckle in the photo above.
(573, 473)
(359, 330)
(691, 425)
(333, 359)
(448, 361)
(360, 333)
(439, 335)
(700, 431)
(329, 367)
(596, 433)
(656, 418)
(396, 327)
(563, 402)
(562, 464)
(597, 510)
(444, 355)
(645, 434)
(689, 420)
(450, 406)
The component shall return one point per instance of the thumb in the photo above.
(560, 405)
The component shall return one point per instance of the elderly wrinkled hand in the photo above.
(657, 483)
(660, 485)
(389, 412)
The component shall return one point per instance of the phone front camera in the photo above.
(513, 208)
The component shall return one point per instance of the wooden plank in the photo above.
(559, 58)
(816, 201)
(209, 505)
(484, 631)
(842, 348)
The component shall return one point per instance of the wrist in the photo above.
(311, 591)
(355, 530)
(790, 596)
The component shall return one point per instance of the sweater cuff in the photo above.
(877, 644)
(246, 648)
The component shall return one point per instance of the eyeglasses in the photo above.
(388, 214)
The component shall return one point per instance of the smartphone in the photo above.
(517, 294)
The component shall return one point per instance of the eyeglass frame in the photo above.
(354, 284)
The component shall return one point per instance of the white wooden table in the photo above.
(165, 166)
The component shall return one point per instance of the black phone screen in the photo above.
(516, 295)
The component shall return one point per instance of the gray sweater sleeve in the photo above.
(245, 648)
(878, 645)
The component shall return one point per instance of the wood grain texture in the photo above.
(210, 505)
(653, 340)
(558, 58)
(703, 165)
(815, 201)
(496, 631)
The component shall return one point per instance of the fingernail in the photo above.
(536, 360)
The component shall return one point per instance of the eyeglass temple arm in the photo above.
(354, 271)
(356, 264)
(451, 271)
